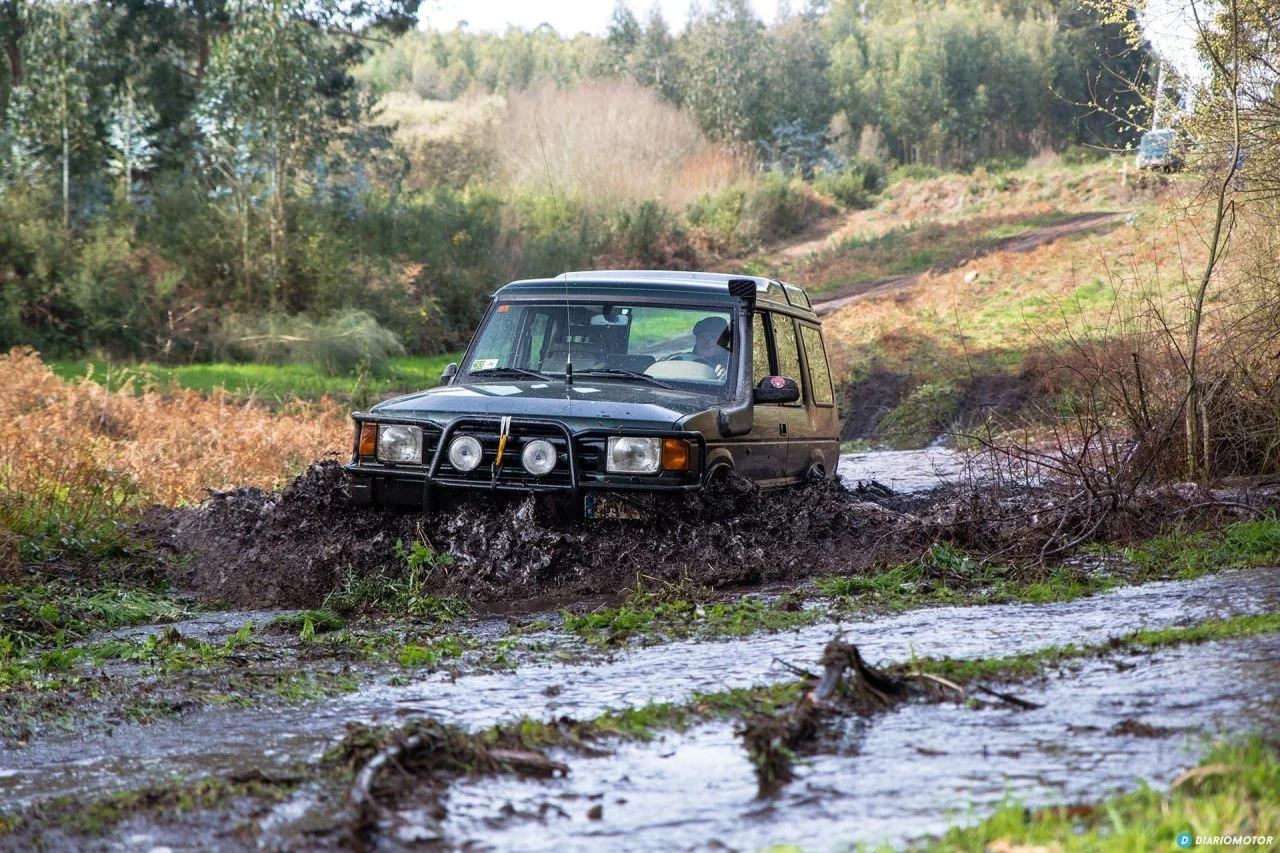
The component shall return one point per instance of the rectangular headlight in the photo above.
(634, 455)
(399, 443)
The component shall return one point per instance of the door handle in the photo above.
(782, 429)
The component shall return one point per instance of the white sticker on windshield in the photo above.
(582, 390)
(484, 363)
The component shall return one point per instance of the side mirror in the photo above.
(777, 389)
(450, 371)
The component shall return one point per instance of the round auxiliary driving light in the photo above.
(465, 453)
(538, 457)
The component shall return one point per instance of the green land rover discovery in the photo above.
(598, 382)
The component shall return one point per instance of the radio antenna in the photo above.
(564, 269)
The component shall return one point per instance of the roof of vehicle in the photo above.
(663, 283)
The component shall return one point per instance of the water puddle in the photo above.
(904, 470)
(899, 776)
(226, 740)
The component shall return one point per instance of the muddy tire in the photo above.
(815, 474)
(717, 476)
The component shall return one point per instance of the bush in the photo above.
(914, 172)
(642, 229)
(855, 186)
(925, 414)
(1082, 155)
(340, 344)
(778, 206)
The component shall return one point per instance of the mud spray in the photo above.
(253, 548)
(257, 549)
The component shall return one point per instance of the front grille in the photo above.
(512, 473)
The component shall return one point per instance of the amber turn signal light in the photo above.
(368, 439)
(675, 454)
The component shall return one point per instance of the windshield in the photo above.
(686, 346)
(1156, 143)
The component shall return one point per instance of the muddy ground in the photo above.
(507, 729)
(249, 548)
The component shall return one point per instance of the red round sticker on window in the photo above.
(778, 382)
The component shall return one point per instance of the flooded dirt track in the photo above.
(899, 776)
(903, 470)
(224, 741)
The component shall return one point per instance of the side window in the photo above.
(819, 372)
(787, 351)
(759, 349)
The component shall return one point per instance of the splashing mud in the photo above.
(250, 548)
(253, 548)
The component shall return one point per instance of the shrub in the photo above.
(610, 141)
(925, 414)
(778, 206)
(914, 172)
(77, 459)
(855, 186)
(340, 344)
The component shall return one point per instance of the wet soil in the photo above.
(275, 739)
(250, 548)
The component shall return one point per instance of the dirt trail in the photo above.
(1071, 226)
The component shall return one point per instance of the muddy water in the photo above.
(900, 776)
(904, 470)
(218, 741)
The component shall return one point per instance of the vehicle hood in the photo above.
(586, 404)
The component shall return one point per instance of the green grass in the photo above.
(947, 575)
(270, 382)
(56, 611)
(1035, 663)
(1233, 792)
(1182, 554)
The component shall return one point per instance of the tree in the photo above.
(654, 62)
(63, 58)
(129, 138)
(721, 57)
(15, 18)
(622, 37)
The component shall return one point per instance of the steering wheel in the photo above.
(688, 356)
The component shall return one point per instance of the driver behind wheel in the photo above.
(711, 344)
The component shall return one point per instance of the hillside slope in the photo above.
(938, 298)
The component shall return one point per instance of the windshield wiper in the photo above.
(623, 374)
(509, 371)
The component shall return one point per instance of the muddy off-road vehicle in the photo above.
(597, 382)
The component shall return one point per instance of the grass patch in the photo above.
(402, 595)
(271, 382)
(926, 413)
(97, 816)
(1031, 664)
(56, 611)
(655, 617)
(1190, 554)
(947, 575)
(1231, 793)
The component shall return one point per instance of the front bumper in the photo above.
(580, 467)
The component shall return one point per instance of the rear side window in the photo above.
(786, 350)
(819, 372)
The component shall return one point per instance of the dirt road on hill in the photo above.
(1070, 227)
